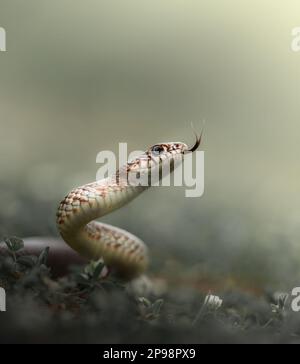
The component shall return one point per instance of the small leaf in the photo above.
(43, 257)
(145, 301)
(98, 270)
(89, 269)
(156, 307)
(282, 300)
(94, 268)
(14, 244)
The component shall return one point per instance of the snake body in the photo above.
(121, 251)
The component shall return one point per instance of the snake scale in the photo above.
(120, 250)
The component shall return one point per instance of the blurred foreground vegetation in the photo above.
(87, 307)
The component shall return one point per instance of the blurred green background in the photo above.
(80, 77)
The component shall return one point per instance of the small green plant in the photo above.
(211, 304)
(150, 310)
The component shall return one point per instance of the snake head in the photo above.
(158, 159)
(166, 150)
(162, 153)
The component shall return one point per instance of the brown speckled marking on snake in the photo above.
(121, 251)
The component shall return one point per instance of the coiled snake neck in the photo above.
(121, 251)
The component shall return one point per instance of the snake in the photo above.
(121, 251)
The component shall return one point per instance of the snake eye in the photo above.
(157, 149)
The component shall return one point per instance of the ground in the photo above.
(85, 307)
